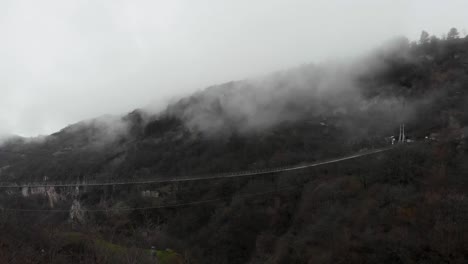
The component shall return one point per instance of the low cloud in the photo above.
(306, 92)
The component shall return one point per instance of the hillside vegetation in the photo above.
(407, 205)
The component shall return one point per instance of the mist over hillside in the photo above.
(341, 106)
(406, 205)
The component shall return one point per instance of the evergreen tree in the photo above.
(453, 34)
(424, 37)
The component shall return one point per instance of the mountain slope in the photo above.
(298, 115)
(407, 205)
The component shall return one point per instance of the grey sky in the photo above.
(62, 61)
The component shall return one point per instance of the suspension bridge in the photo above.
(176, 180)
(198, 178)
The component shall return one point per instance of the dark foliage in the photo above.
(407, 205)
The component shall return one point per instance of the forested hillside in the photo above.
(407, 205)
(302, 114)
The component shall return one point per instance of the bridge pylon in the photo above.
(402, 136)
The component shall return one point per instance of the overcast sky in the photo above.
(62, 61)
